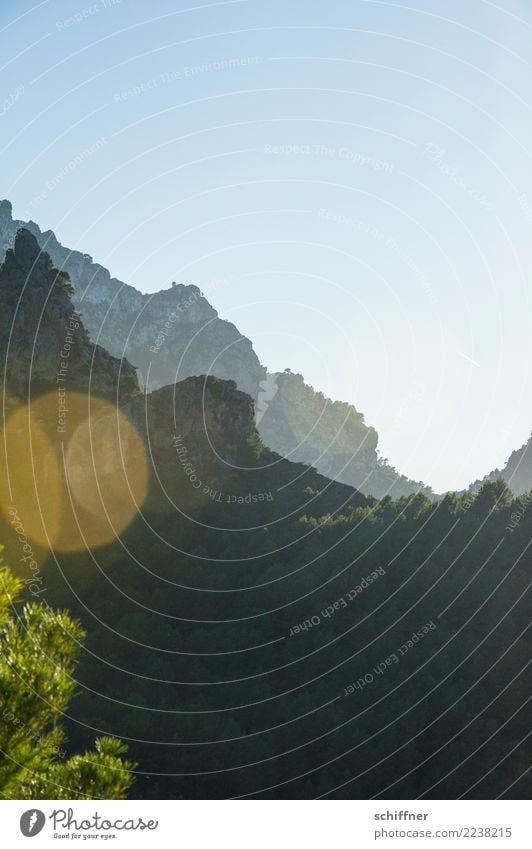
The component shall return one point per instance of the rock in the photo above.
(43, 342)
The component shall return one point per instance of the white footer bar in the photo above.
(267, 824)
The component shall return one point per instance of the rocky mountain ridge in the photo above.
(168, 335)
(43, 341)
(175, 333)
(198, 437)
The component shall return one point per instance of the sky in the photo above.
(349, 183)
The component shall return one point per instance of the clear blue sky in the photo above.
(349, 182)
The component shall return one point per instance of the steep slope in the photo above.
(330, 435)
(168, 335)
(72, 470)
(85, 449)
(43, 342)
(175, 333)
(517, 472)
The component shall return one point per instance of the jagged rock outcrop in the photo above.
(330, 435)
(175, 333)
(209, 416)
(91, 448)
(168, 335)
(205, 451)
(43, 343)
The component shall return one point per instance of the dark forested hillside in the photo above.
(281, 637)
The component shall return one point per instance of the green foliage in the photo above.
(38, 652)
(255, 445)
(63, 279)
(494, 495)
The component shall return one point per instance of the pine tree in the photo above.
(38, 653)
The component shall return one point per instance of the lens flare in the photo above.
(30, 479)
(75, 470)
(106, 470)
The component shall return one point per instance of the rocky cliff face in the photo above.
(206, 458)
(43, 342)
(168, 335)
(192, 446)
(330, 435)
(175, 334)
(209, 417)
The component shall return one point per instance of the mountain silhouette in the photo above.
(175, 333)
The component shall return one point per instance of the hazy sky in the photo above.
(350, 183)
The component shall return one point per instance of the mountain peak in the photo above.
(6, 212)
(44, 338)
(26, 248)
(25, 263)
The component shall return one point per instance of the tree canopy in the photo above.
(38, 654)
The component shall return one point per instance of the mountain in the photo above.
(125, 446)
(168, 335)
(42, 338)
(517, 471)
(253, 628)
(330, 435)
(175, 333)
